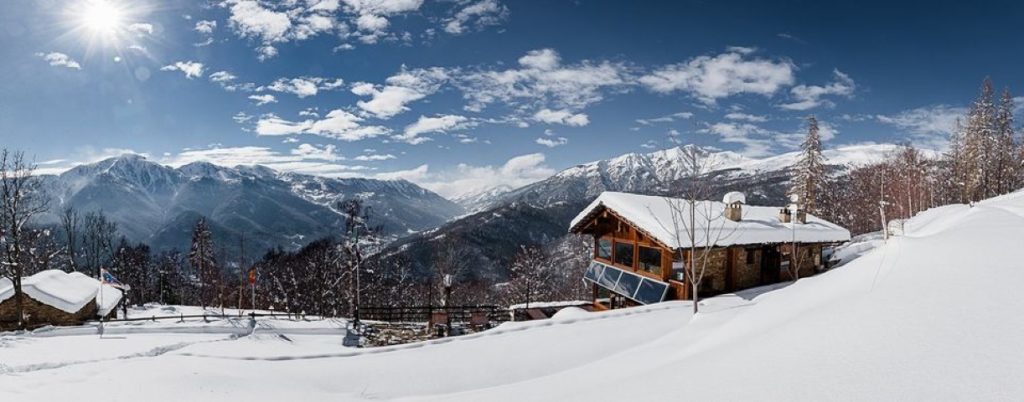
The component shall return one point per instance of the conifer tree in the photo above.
(203, 260)
(809, 171)
(1007, 164)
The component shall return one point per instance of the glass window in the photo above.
(624, 254)
(651, 291)
(627, 284)
(604, 249)
(650, 260)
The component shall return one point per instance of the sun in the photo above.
(102, 17)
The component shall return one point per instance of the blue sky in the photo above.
(462, 95)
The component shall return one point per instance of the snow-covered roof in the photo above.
(68, 292)
(759, 225)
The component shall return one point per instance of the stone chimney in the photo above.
(734, 205)
(784, 215)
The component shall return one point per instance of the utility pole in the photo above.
(794, 210)
(355, 248)
(241, 270)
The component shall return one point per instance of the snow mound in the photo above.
(570, 313)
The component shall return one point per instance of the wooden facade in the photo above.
(620, 244)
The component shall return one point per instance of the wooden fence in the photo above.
(457, 314)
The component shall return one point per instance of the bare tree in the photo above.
(70, 220)
(450, 260)
(20, 201)
(530, 277)
(696, 223)
(98, 240)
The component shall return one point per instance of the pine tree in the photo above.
(980, 162)
(809, 173)
(1006, 161)
(203, 260)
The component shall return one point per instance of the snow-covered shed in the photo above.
(54, 297)
(640, 243)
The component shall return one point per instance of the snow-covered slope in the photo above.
(932, 315)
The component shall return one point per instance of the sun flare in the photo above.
(102, 17)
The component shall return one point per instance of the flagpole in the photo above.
(100, 290)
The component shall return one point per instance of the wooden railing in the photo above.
(456, 314)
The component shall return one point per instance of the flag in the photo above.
(107, 278)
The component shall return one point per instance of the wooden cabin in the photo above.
(641, 244)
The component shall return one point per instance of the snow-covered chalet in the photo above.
(641, 242)
(54, 297)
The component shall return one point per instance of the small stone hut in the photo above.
(54, 297)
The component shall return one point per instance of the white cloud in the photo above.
(250, 19)
(205, 26)
(561, 117)
(552, 142)
(140, 28)
(440, 123)
(399, 90)
(263, 99)
(477, 16)
(543, 81)
(810, 96)
(755, 140)
(746, 117)
(241, 117)
(709, 78)
(467, 179)
(374, 157)
(326, 152)
(928, 126)
(226, 80)
(222, 76)
(666, 119)
(371, 15)
(272, 125)
(58, 59)
(337, 124)
(304, 86)
(272, 23)
(191, 69)
(305, 158)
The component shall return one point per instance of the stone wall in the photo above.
(714, 274)
(747, 275)
(39, 314)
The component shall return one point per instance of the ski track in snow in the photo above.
(154, 352)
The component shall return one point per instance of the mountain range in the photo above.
(159, 205)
